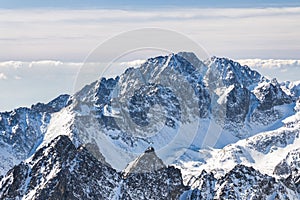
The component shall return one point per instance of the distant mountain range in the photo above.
(174, 128)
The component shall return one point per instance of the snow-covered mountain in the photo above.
(227, 131)
(22, 130)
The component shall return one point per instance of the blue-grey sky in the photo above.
(43, 43)
(134, 4)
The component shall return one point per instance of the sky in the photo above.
(133, 4)
(45, 43)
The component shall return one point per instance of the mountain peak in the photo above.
(232, 73)
(146, 162)
(150, 149)
(53, 106)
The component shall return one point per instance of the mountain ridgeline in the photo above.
(175, 127)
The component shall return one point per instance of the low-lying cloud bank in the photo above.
(270, 63)
(283, 70)
(3, 76)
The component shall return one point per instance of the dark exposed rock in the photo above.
(11, 187)
(203, 186)
(148, 96)
(289, 170)
(237, 107)
(241, 183)
(165, 183)
(245, 181)
(271, 95)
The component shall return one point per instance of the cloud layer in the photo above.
(271, 63)
(283, 70)
(3, 76)
(69, 35)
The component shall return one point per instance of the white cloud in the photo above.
(3, 76)
(46, 63)
(133, 63)
(270, 63)
(281, 69)
(11, 64)
(42, 63)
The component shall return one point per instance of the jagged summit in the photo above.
(150, 149)
(232, 73)
(146, 163)
(53, 106)
(270, 94)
